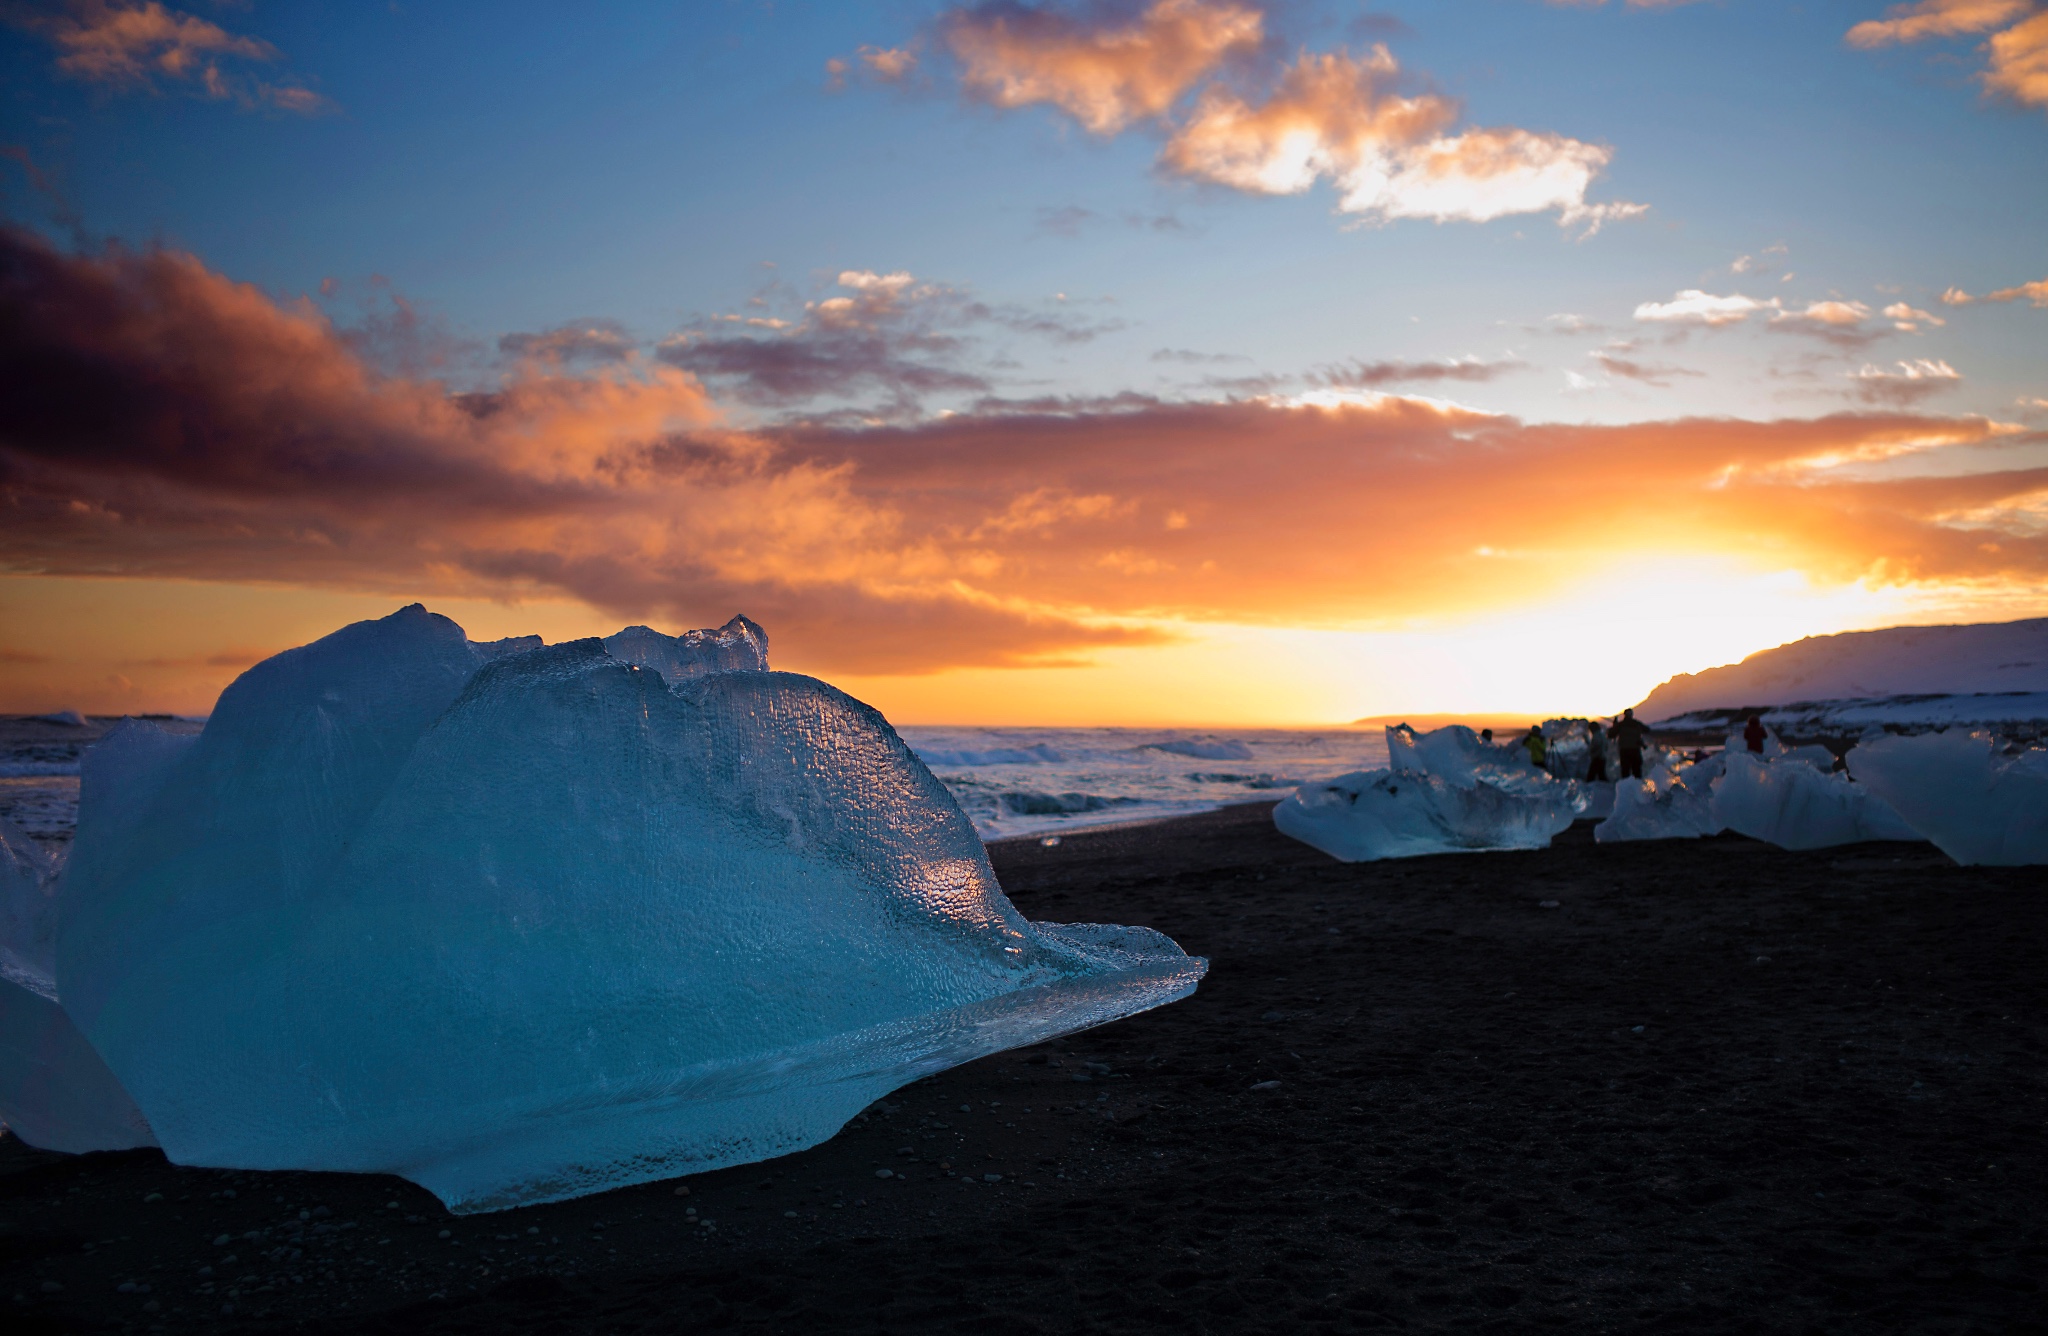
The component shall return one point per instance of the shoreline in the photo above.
(1720, 1086)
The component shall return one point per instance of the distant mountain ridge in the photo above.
(1897, 661)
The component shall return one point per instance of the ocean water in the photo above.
(1040, 781)
(1010, 781)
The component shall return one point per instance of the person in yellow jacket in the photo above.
(1538, 745)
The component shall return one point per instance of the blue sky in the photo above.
(516, 168)
(511, 167)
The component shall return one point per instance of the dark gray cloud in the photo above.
(1363, 375)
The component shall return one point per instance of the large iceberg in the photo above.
(1961, 791)
(1793, 804)
(521, 923)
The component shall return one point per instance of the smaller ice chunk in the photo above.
(737, 647)
(1460, 757)
(55, 1091)
(1976, 805)
(1790, 803)
(1374, 814)
(1667, 805)
(67, 718)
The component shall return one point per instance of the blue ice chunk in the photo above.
(552, 924)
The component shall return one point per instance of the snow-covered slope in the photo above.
(1898, 661)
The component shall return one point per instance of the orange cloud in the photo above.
(1908, 319)
(2017, 64)
(2035, 292)
(1388, 155)
(1935, 18)
(889, 64)
(1106, 75)
(165, 422)
(127, 45)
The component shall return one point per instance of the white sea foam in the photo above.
(1035, 781)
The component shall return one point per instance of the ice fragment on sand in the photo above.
(1794, 805)
(552, 923)
(1666, 806)
(1377, 814)
(55, 1093)
(1958, 789)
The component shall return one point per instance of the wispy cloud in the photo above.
(1371, 375)
(1696, 307)
(1909, 383)
(1619, 359)
(1935, 18)
(1388, 155)
(581, 341)
(2016, 63)
(2019, 62)
(1908, 319)
(2035, 292)
(148, 47)
(1838, 322)
(1204, 74)
(881, 64)
(1106, 69)
(890, 333)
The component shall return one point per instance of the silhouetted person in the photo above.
(1596, 742)
(1629, 733)
(1753, 733)
(1538, 745)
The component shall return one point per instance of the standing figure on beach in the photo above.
(1538, 745)
(1753, 733)
(1629, 733)
(1596, 753)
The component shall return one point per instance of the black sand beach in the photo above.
(1702, 1086)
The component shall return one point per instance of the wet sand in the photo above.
(1716, 1087)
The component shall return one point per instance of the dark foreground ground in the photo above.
(1716, 1087)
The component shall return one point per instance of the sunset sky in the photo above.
(1164, 362)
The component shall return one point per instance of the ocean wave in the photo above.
(36, 769)
(1204, 749)
(1035, 755)
(1027, 802)
(1249, 781)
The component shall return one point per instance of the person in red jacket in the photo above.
(1753, 733)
